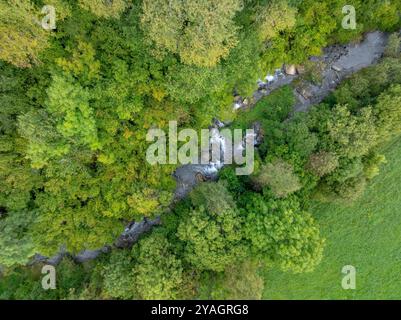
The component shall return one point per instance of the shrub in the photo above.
(322, 163)
(280, 177)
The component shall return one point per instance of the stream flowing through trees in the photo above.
(338, 61)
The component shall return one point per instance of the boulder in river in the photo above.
(305, 90)
(290, 69)
(300, 69)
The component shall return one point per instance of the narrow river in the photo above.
(339, 61)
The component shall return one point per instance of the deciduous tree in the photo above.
(200, 32)
(22, 37)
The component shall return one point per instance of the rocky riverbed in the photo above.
(338, 61)
(341, 62)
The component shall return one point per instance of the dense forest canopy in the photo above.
(77, 103)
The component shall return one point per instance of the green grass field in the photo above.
(366, 235)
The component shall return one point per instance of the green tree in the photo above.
(322, 163)
(239, 281)
(348, 168)
(213, 196)
(274, 18)
(82, 63)
(105, 8)
(280, 177)
(25, 282)
(350, 135)
(393, 48)
(17, 178)
(201, 33)
(22, 37)
(212, 241)
(15, 239)
(315, 22)
(388, 112)
(282, 233)
(69, 104)
(118, 278)
(158, 272)
(211, 231)
(381, 14)
(351, 190)
(347, 183)
(300, 139)
(68, 121)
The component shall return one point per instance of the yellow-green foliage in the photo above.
(105, 8)
(22, 37)
(200, 32)
(277, 16)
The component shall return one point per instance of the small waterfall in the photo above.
(237, 106)
(217, 143)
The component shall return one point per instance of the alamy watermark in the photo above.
(349, 280)
(49, 280)
(49, 20)
(349, 21)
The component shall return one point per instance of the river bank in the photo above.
(338, 63)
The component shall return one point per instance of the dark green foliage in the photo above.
(212, 229)
(17, 178)
(118, 279)
(393, 48)
(158, 272)
(149, 271)
(388, 112)
(350, 135)
(25, 283)
(300, 139)
(15, 239)
(231, 180)
(214, 197)
(282, 233)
